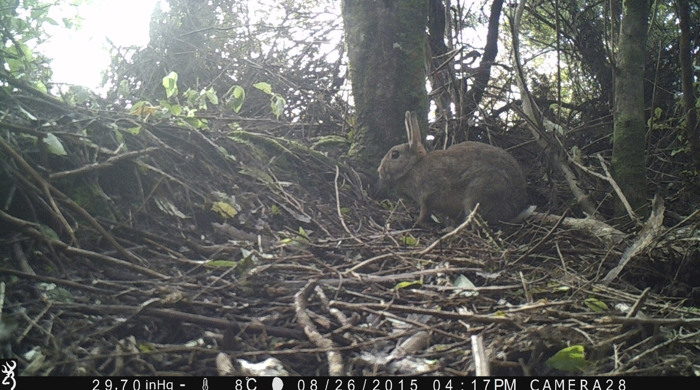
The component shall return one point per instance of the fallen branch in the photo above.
(651, 230)
(335, 359)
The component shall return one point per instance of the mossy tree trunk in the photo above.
(690, 124)
(629, 157)
(386, 46)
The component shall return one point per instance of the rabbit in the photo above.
(454, 180)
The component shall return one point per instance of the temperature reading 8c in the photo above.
(247, 384)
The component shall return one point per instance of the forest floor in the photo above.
(154, 249)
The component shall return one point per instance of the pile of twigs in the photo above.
(174, 250)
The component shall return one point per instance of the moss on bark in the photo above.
(386, 50)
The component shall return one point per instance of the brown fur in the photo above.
(453, 181)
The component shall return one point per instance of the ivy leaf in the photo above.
(263, 86)
(144, 109)
(54, 145)
(277, 103)
(210, 94)
(237, 98)
(570, 359)
(224, 209)
(409, 240)
(170, 84)
(134, 130)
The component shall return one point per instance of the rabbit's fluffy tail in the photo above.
(527, 211)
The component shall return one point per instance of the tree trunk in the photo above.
(472, 98)
(628, 158)
(386, 50)
(690, 125)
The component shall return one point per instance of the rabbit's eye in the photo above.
(395, 154)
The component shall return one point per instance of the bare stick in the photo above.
(452, 233)
(337, 206)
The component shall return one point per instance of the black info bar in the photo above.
(349, 383)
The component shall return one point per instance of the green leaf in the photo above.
(682, 149)
(303, 233)
(210, 95)
(225, 153)
(237, 98)
(54, 145)
(146, 347)
(221, 263)
(28, 54)
(570, 359)
(47, 231)
(224, 209)
(196, 122)
(277, 104)
(174, 109)
(55, 293)
(408, 284)
(134, 130)
(41, 86)
(263, 86)
(596, 305)
(409, 240)
(170, 84)
(191, 97)
(119, 136)
(144, 109)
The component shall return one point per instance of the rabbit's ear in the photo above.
(409, 133)
(413, 131)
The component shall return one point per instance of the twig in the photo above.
(655, 348)
(174, 315)
(689, 322)
(2, 298)
(335, 360)
(452, 233)
(679, 224)
(105, 164)
(337, 207)
(638, 304)
(369, 261)
(49, 190)
(649, 232)
(542, 240)
(33, 230)
(76, 285)
(526, 291)
(481, 362)
(618, 191)
(45, 187)
(433, 312)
